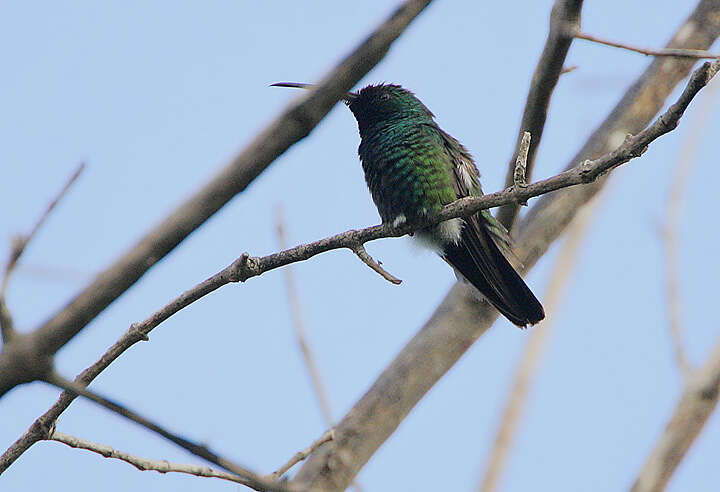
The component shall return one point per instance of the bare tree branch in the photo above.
(197, 449)
(327, 436)
(163, 466)
(534, 348)
(460, 320)
(564, 18)
(685, 53)
(696, 404)
(294, 123)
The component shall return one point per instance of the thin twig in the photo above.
(21, 242)
(298, 322)
(164, 466)
(564, 18)
(678, 186)
(247, 267)
(365, 257)
(327, 436)
(537, 340)
(692, 411)
(17, 248)
(199, 450)
(683, 53)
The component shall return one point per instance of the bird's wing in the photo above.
(479, 254)
(466, 182)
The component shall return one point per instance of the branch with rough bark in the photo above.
(460, 320)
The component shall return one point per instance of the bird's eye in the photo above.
(385, 97)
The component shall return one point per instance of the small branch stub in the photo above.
(327, 436)
(362, 253)
(241, 269)
(137, 328)
(519, 179)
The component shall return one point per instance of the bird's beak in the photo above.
(348, 98)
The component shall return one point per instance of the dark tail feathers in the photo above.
(480, 261)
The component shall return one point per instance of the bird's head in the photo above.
(385, 102)
(378, 103)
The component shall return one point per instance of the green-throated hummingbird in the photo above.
(413, 168)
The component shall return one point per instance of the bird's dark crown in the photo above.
(377, 103)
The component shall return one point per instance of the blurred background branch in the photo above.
(538, 337)
(676, 197)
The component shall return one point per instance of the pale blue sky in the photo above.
(156, 97)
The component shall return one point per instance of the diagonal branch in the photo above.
(460, 320)
(327, 436)
(295, 123)
(292, 125)
(564, 19)
(22, 241)
(692, 411)
(197, 449)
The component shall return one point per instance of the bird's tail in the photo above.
(480, 261)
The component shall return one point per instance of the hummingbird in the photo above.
(413, 168)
